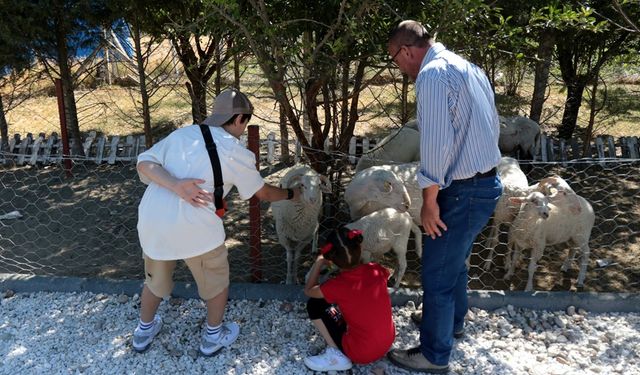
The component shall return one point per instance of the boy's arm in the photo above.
(312, 287)
(185, 188)
(271, 193)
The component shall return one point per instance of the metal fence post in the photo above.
(254, 211)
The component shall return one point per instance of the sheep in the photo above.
(400, 146)
(514, 183)
(297, 221)
(543, 221)
(362, 202)
(519, 133)
(388, 229)
(373, 189)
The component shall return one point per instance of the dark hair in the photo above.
(344, 247)
(245, 117)
(409, 33)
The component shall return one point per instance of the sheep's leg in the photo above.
(314, 242)
(511, 265)
(296, 262)
(536, 254)
(584, 262)
(507, 256)
(570, 257)
(289, 280)
(402, 266)
(492, 240)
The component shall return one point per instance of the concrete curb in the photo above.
(487, 300)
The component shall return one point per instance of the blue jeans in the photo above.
(465, 208)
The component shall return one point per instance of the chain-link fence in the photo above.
(85, 225)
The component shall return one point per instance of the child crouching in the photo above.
(352, 311)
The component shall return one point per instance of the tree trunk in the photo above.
(575, 89)
(404, 102)
(593, 111)
(4, 129)
(236, 71)
(284, 137)
(218, 77)
(198, 96)
(142, 77)
(545, 52)
(71, 111)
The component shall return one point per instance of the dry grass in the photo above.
(111, 110)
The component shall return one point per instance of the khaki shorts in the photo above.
(210, 271)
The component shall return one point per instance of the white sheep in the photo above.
(543, 222)
(388, 229)
(297, 221)
(519, 133)
(366, 203)
(515, 184)
(400, 146)
(373, 189)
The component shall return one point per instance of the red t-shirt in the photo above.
(362, 296)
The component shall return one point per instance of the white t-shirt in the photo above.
(169, 228)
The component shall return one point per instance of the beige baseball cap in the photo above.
(228, 103)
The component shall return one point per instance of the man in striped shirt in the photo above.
(459, 132)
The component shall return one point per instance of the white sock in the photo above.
(142, 326)
(214, 332)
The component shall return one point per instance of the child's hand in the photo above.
(188, 189)
(322, 261)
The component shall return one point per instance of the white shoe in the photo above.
(331, 359)
(142, 339)
(228, 334)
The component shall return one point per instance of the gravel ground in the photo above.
(86, 333)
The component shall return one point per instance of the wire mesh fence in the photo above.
(85, 225)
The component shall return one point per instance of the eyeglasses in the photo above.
(393, 58)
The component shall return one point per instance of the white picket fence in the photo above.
(100, 149)
(601, 148)
(104, 149)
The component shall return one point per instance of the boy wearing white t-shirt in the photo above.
(177, 220)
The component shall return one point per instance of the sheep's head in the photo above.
(311, 185)
(375, 189)
(534, 201)
(557, 189)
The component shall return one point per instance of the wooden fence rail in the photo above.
(103, 149)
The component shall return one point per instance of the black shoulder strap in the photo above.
(215, 165)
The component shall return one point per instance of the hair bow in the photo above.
(326, 248)
(354, 233)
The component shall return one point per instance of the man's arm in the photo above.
(430, 212)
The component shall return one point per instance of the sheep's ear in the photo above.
(325, 184)
(517, 200)
(387, 187)
(295, 181)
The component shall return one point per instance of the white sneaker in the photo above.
(331, 359)
(142, 339)
(228, 334)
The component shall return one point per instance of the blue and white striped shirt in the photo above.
(458, 121)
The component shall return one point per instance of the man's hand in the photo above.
(430, 215)
(188, 189)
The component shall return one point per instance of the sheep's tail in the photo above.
(417, 234)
